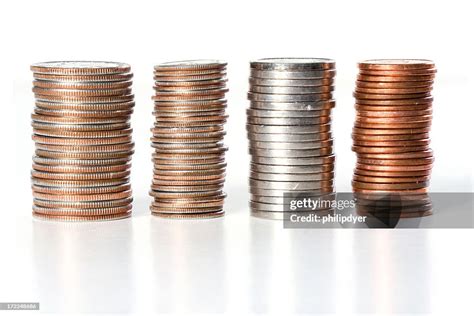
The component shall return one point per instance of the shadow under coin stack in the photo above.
(83, 140)
(289, 131)
(391, 137)
(189, 163)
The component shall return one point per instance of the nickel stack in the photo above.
(391, 136)
(83, 140)
(189, 162)
(289, 131)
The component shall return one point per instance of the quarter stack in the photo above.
(83, 140)
(391, 136)
(189, 154)
(289, 131)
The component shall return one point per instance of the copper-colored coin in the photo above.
(165, 115)
(167, 89)
(396, 162)
(203, 176)
(393, 85)
(84, 99)
(408, 155)
(390, 180)
(189, 77)
(394, 91)
(81, 169)
(392, 143)
(392, 174)
(77, 119)
(371, 77)
(185, 195)
(189, 205)
(71, 218)
(189, 124)
(384, 126)
(390, 191)
(75, 85)
(221, 81)
(389, 186)
(384, 101)
(393, 120)
(80, 127)
(86, 149)
(81, 190)
(171, 131)
(387, 138)
(189, 183)
(363, 130)
(373, 96)
(188, 188)
(189, 119)
(83, 197)
(390, 150)
(201, 171)
(394, 167)
(395, 114)
(191, 65)
(78, 162)
(396, 64)
(395, 108)
(84, 114)
(80, 176)
(81, 141)
(112, 106)
(83, 135)
(83, 155)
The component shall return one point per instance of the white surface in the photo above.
(235, 264)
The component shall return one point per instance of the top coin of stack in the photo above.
(83, 140)
(289, 130)
(189, 164)
(391, 132)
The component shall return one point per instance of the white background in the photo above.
(255, 260)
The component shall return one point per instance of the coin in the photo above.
(292, 64)
(80, 67)
(396, 64)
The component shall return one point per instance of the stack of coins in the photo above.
(189, 164)
(391, 135)
(289, 130)
(83, 140)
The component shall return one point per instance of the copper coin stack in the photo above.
(189, 154)
(289, 131)
(83, 140)
(391, 136)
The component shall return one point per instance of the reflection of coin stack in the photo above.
(391, 136)
(189, 164)
(83, 140)
(289, 130)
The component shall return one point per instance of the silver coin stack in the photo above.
(189, 163)
(289, 131)
(83, 140)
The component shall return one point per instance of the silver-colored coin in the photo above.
(282, 121)
(291, 82)
(290, 146)
(291, 90)
(307, 129)
(292, 75)
(293, 161)
(290, 186)
(267, 207)
(292, 153)
(79, 184)
(289, 97)
(80, 127)
(183, 137)
(292, 169)
(280, 200)
(293, 63)
(108, 120)
(285, 177)
(289, 138)
(287, 114)
(197, 150)
(180, 115)
(80, 162)
(80, 67)
(188, 65)
(293, 106)
(281, 193)
(172, 146)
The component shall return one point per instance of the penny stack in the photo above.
(83, 140)
(189, 153)
(289, 131)
(391, 135)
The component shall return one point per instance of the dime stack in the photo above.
(83, 140)
(391, 136)
(289, 131)
(189, 164)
